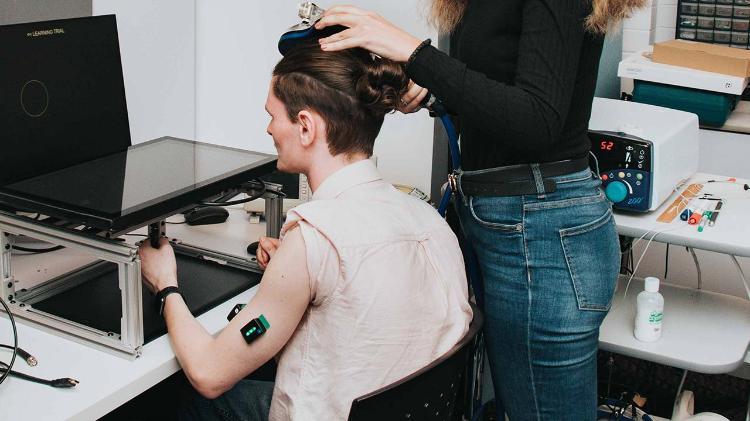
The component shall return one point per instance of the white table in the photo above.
(107, 381)
(702, 331)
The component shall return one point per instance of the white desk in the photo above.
(107, 381)
(703, 331)
(730, 235)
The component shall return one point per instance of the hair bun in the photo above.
(381, 85)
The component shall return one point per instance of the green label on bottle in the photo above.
(655, 317)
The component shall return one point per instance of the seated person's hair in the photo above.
(352, 91)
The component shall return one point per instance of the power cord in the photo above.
(256, 196)
(653, 234)
(30, 360)
(697, 267)
(6, 368)
(64, 383)
(7, 371)
(38, 251)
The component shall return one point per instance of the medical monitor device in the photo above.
(62, 96)
(643, 152)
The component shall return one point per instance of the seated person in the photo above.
(367, 284)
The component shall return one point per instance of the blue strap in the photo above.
(473, 273)
(472, 265)
(441, 112)
(445, 200)
(450, 130)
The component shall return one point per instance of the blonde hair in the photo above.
(608, 12)
(446, 14)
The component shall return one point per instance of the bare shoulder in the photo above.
(290, 260)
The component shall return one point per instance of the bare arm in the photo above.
(215, 365)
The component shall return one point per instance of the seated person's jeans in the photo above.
(248, 400)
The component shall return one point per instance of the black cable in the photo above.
(30, 360)
(65, 382)
(134, 235)
(632, 269)
(15, 342)
(38, 251)
(256, 196)
(666, 262)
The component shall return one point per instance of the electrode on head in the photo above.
(309, 12)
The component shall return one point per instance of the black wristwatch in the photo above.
(161, 297)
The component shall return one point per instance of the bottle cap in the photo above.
(652, 284)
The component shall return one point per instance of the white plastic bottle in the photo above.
(649, 312)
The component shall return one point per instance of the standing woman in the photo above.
(520, 79)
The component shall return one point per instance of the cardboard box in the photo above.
(703, 56)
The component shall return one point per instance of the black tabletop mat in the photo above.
(96, 303)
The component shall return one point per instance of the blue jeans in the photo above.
(549, 265)
(248, 400)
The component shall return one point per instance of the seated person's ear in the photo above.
(308, 127)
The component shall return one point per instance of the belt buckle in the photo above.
(453, 182)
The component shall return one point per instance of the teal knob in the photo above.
(616, 191)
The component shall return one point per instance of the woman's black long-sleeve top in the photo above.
(521, 77)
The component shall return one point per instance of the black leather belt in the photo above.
(517, 180)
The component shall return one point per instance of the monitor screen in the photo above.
(145, 176)
(62, 96)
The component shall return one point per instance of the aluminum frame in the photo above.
(129, 343)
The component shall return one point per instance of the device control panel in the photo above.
(625, 167)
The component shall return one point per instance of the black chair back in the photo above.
(434, 392)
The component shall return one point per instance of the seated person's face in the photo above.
(285, 134)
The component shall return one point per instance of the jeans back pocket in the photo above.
(592, 252)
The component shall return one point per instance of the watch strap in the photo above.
(161, 297)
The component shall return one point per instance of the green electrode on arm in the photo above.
(254, 329)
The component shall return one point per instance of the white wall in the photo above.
(15, 11)
(236, 44)
(666, 20)
(157, 44)
(654, 23)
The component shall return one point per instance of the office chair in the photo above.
(434, 392)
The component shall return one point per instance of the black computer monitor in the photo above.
(62, 96)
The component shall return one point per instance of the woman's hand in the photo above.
(411, 101)
(367, 30)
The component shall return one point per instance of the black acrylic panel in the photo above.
(62, 96)
(96, 301)
(130, 188)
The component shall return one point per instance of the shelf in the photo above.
(703, 331)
